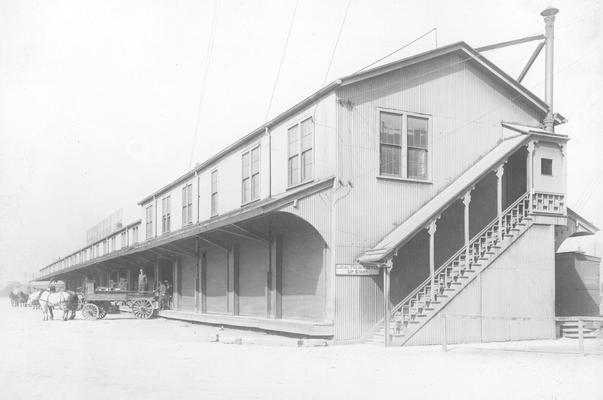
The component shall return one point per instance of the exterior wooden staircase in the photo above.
(431, 296)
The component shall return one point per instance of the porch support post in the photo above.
(499, 174)
(386, 299)
(129, 278)
(466, 201)
(432, 230)
(156, 275)
(530, 171)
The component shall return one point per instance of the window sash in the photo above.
(300, 152)
(250, 184)
(404, 155)
(214, 193)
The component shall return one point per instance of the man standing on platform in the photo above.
(142, 281)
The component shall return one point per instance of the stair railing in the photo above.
(478, 245)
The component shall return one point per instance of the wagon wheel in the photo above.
(142, 308)
(90, 311)
(102, 311)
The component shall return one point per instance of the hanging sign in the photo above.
(356, 269)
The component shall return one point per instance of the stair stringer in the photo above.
(469, 301)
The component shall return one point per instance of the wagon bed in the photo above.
(94, 304)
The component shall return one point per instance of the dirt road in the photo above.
(124, 358)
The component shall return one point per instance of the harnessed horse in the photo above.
(34, 300)
(65, 300)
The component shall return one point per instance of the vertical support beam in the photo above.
(197, 274)
(129, 278)
(581, 336)
(530, 171)
(176, 285)
(204, 283)
(269, 274)
(233, 281)
(329, 283)
(499, 174)
(466, 202)
(155, 275)
(386, 300)
(278, 271)
(432, 230)
(444, 334)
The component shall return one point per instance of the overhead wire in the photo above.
(397, 50)
(278, 73)
(208, 57)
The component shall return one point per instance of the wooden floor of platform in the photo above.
(295, 327)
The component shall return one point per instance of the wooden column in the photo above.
(499, 174)
(197, 275)
(233, 280)
(204, 283)
(129, 278)
(432, 230)
(176, 285)
(466, 202)
(155, 275)
(387, 267)
(278, 274)
(530, 171)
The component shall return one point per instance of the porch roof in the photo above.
(250, 211)
(436, 205)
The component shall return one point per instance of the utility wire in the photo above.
(345, 15)
(282, 59)
(395, 51)
(208, 56)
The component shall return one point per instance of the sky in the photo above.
(103, 102)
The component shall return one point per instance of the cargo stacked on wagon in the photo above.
(95, 303)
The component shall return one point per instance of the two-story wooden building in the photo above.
(425, 187)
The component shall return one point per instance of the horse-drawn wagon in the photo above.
(95, 304)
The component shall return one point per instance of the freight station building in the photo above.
(425, 187)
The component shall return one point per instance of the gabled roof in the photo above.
(436, 205)
(469, 54)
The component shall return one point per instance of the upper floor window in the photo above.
(124, 239)
(214, 193)
(113, 244)
(546, 166)
(135, 234)
(166, 215)
(149, 221)
(300, 158)
(250, 172)
(187, 205)
(403, 155)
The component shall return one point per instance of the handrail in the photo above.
(455, 255)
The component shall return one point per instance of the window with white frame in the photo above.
(187, 205)
(166, 215)
(214, 193)
(113, 244)
(124, 239)
(404, 145)
(135, 235)
(300, 138)
(149, 221)
(250, 189)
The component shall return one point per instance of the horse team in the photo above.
(47, 300)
